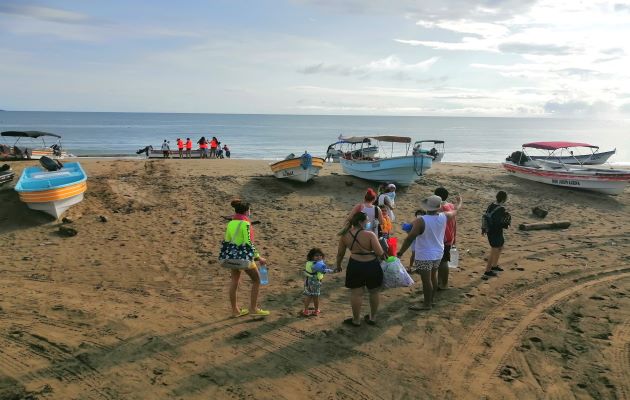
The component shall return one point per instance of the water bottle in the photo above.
(454, 263)
(264, 274)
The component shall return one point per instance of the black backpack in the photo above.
(487, 222)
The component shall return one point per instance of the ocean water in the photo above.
(275, 136)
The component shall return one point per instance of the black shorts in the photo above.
(446, 257)
(496, 239)
(364, 273)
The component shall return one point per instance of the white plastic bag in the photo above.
(394, 274)
(454, 263)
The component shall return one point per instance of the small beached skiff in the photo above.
(403, 170)
(52, 191)
(552, 170)
(301, 169)
(31, 150)
(6, 176)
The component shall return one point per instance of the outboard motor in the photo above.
(518, 158)
(50, 164)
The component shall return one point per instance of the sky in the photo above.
(521, 58)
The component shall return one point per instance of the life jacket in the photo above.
(180, 144)
(387, 224)
(214, 144)
(188, 144)
(308, 270)
(203, 145)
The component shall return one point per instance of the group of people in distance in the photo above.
(208, 149)
(366, 231)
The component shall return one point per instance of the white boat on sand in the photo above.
(601, 180)
(26, 147)
(301, 169)
(400, 169)
(433, 148)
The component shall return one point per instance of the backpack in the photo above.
(487, 222)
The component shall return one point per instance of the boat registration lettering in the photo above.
(565, 182)
(376, 165)
(287, 173)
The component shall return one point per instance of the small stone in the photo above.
(103, 218)
(242, 335)
(67, 231)
(176, 222)
(539, 212)
(66, 220)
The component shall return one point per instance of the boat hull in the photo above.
(6, 176)
(401, 170)
(175, 153)
(292, 169)
(52, 191)
(33, 154)
(587, 159)
(611, 182)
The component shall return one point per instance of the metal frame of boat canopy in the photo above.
(552, 147)
(383, 138)
(29, 134)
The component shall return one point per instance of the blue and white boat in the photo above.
(400, 169)
(52, 191)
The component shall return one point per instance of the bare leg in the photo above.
(496, 253)
(236, 277)
(316, 302)
(374, 302)
(434, 285)
(427, 288)
(356, 298)
(255, 277)
(443, 275)
(307, 302)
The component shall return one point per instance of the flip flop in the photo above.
(307, 313)
(242, 312)
(419, 308)
(261, 312)
(350, 321)
(368, 320)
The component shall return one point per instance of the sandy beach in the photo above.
(137, 307)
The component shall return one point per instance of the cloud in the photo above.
(427, 9)
(391, 64)
(576, 107)
(536, 48)
(621, 7)
(48, 14)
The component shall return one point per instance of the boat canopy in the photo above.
(431, 141)
(557, 145)
(366, 139)
(31, 134)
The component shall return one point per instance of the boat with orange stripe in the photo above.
(54, 188)
(301, 169)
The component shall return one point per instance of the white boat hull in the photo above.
(588, 159)
(58, 207)
(401, 170)
(292, 169)
(611, 182)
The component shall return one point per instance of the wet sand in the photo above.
(137, 307)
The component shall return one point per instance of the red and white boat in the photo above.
(557, 173)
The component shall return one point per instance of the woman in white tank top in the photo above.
(427, 236)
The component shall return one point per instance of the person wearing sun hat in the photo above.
(427, 236)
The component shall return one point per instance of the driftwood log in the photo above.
(544, 225)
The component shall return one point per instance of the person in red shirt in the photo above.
(180, 147)
(449, 239)
(203, 146)
(188, 148)
(214, 143)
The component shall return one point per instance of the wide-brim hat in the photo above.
(431, 203)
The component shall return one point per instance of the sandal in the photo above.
(368, 320)
(261, 312)
(350, 321)
(307, 313)
(242, 312)
(419, 308)
(316, 312)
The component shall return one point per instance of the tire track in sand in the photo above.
(474, 361)
(620, 363)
